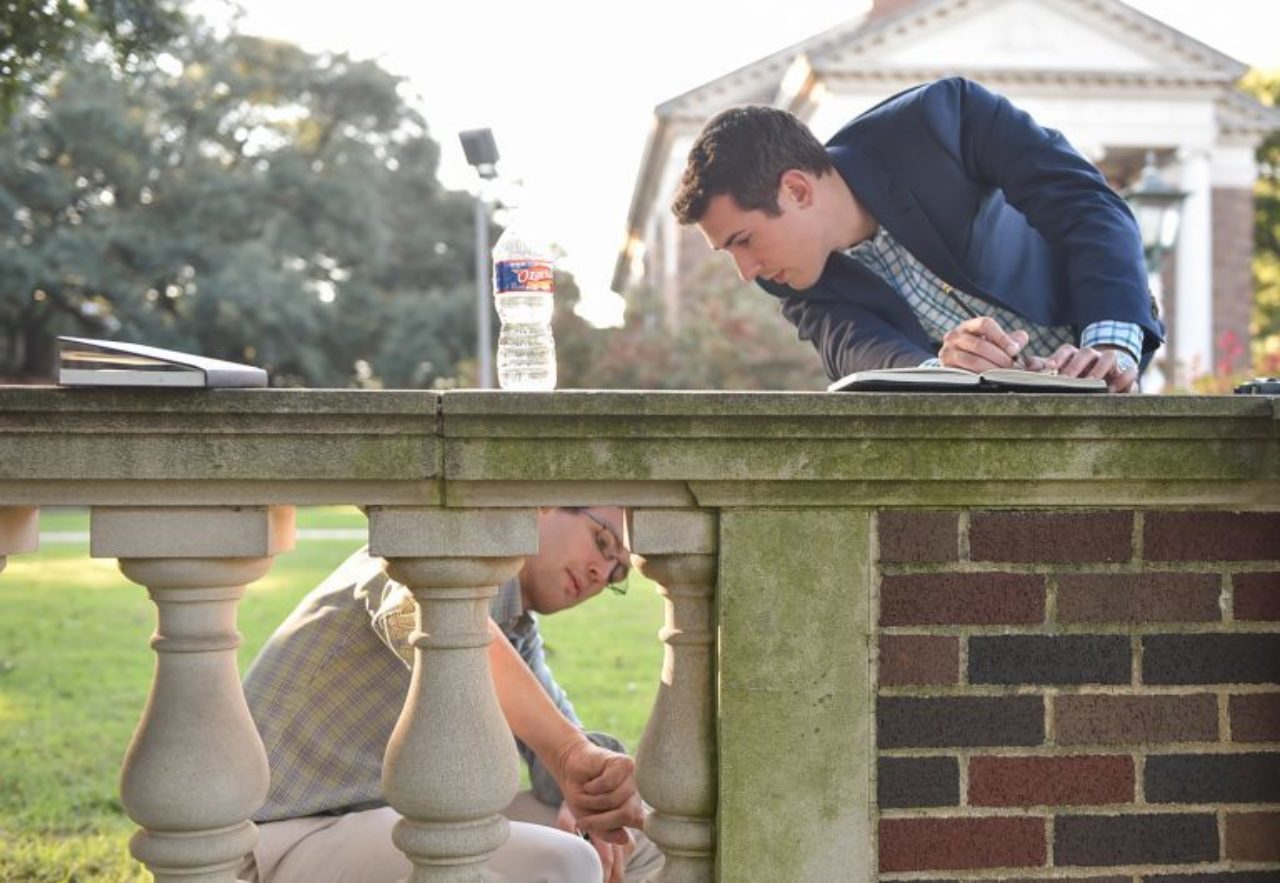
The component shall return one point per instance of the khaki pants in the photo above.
(357, 848)
(645, 862)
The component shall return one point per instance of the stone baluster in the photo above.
(196, 768)
(451, 765)
(675, 762)
(19, 531)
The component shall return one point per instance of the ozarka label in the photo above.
(513, 276)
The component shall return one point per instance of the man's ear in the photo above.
(796, 188)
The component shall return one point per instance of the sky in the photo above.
(569, 88)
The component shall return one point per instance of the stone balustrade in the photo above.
(764, 518)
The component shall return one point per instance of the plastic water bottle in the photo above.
(523, 290)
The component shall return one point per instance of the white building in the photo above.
(1115, 81)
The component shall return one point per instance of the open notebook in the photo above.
(88, 362)
(959, 380)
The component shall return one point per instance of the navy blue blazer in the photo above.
(992, 203)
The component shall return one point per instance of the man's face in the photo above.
(575, 559)
(789, 248)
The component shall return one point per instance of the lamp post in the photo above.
(482, 154)
(1157, 205)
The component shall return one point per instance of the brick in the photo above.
(1094, 841)
(1085, 719)
(1255, 717)
(1257, 596)
(1253, 836)
(1050, 659)
(1219, 877)
(1045, 781)
(962, 599)
(919, 659)
(919, 537)
(1139, 597)
(917, 781)
(958, 844)
(1212, 778)
(1211, 659)
(959, 721)
(1053, 537)
(1115, 879)
(1211, 536)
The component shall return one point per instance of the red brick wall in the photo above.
(1079, 693)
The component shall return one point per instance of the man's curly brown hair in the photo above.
(744, 152)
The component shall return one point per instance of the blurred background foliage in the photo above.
(1262, 350)
(248, 200)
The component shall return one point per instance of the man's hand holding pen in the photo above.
(980, 344)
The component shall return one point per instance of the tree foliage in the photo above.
(37, 36)
(1265, 86)
(240, 198)
(730, 336)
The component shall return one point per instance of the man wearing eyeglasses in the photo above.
(327, 689)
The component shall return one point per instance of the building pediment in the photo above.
(1051, 36)
(1054, 39)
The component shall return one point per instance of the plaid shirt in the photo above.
(328, 687)
(940, 307)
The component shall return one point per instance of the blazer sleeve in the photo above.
(848, 336)
(1058, 191)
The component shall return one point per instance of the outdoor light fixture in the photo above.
(1157, 204)
(482, 153)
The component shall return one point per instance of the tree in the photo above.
(1265, 86)
(731, 336)
(37, 36)
(240, 198)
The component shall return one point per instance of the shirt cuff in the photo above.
(1126, 335)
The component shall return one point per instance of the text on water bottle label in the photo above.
(509, 276)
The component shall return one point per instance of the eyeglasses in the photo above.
(610, 546)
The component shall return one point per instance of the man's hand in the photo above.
(599, 787)
(980, 344)
(613, 856)
(1112, 364)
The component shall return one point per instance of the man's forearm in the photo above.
(599, 785)
(532, 715)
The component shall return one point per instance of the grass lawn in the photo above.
(75, 668)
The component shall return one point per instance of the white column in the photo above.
(675, 762)
(196, 768)
(451, 765)
(1193, 300)
(19, 531)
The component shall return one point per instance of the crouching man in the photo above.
(328, 687)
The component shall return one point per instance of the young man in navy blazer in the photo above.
(943, 226)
